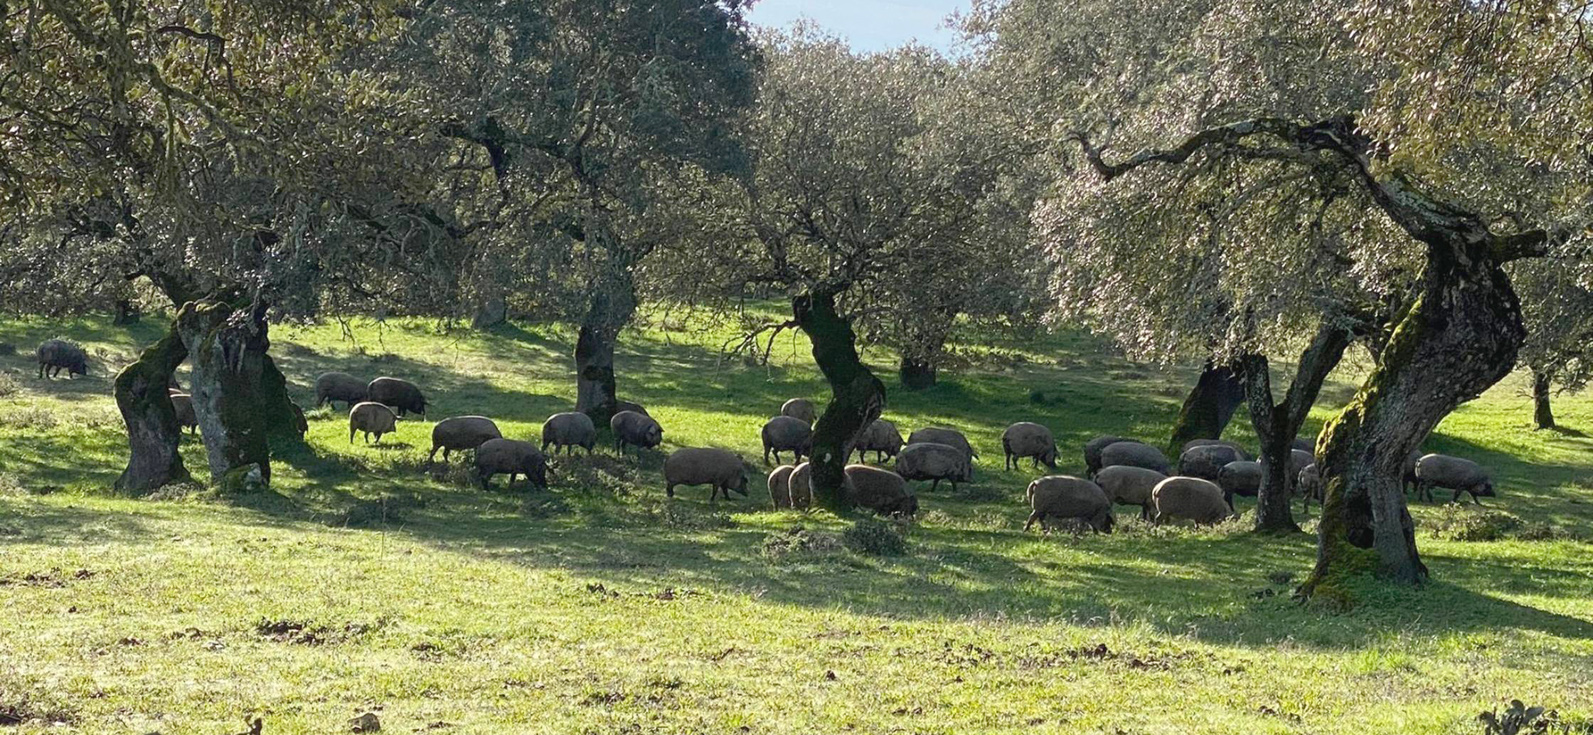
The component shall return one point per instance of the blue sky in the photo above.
(869, 25)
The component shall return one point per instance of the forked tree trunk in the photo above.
(1459, 337)
(1542, 411)
(917, 373)
(1277, 424)
(1209, 407)
(857, 396)
(612, 306)
(152, 431)
(227, 347)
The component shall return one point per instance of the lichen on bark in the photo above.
(153, 435)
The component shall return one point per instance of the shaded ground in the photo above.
(367, 582)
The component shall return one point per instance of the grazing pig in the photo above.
(1094, 447)
(400, 395)
(1408, 476)
(635, 429)
(1299, 459)
(1065, 496)
(57, 355)
(879, 490)
(1240, 478)
(1206, 461)
(569, 430)
(183, 405)
(1189, 498)
(780, 486)
(371, 418)
(1135, 454)
(930, 461)
(787, 434)
(511, 457)
(620, 406)
(1192, 443)
(1026, 439)
(942, 435)
(800, 408)
(1452, 473)
(800, 484)
(882, 438)
(1216, 442)
(334, 387)
(720, 468)
(1126, 485)
(461, 433)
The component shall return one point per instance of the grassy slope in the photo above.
(481, 610)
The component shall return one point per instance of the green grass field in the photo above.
(364, 583)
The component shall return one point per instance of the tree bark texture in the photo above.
(152, 431)
(228, 347)
(1460, 335)
(612, 306)
(1209, 407)
(1277, 424)
(1542, 410)
(1459, 340)
(858, 397)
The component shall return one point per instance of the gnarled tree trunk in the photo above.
(1459, 336)
(1542, 411)
(152, 431)
(227, 347)
(1209, 407)
(284, 420)
(857, 396)
(1277, 424)
(1456, 342)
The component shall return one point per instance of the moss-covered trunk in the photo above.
(1209, 407)
(1542, 410)
(152, 431)
(1456, 341)
(284, 420)
(237, 411)
(857, 396)
(1277, 424)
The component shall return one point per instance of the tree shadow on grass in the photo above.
(1215, 587)
(593, 523)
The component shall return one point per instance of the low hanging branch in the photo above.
(749, 341)
(1459, 335)
(1427, 219)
